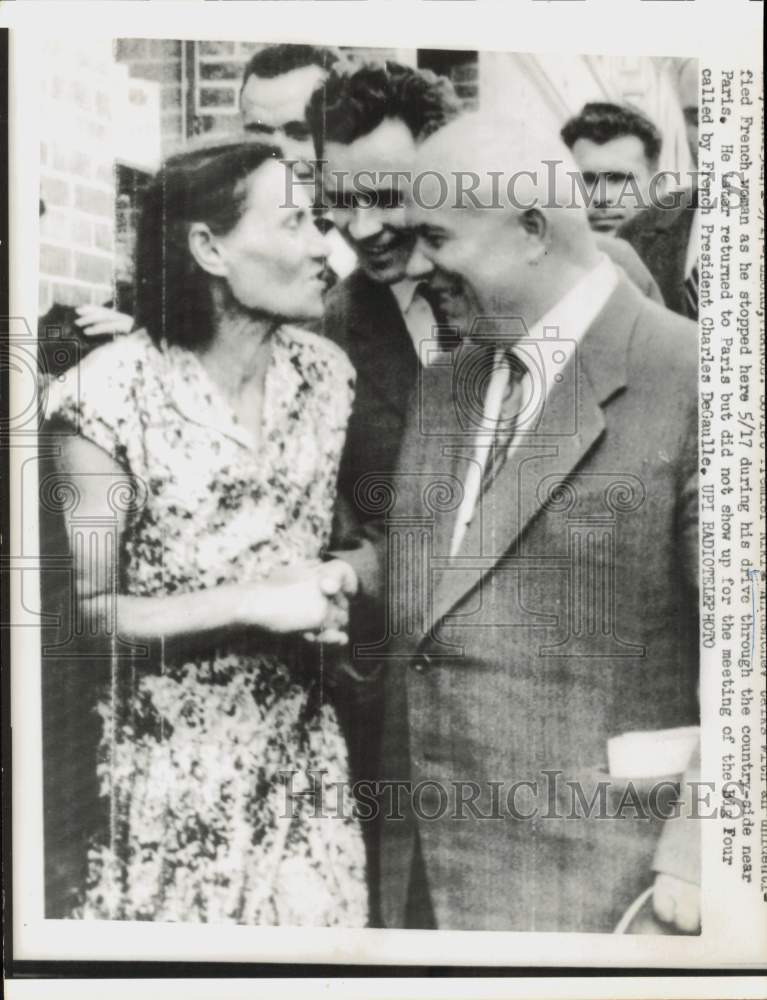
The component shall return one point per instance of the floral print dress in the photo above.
(225, 770)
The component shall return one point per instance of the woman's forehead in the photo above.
(273, 187)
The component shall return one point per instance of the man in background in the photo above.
(277, 83)
(667, 238)
(616, 149)
(368, 121)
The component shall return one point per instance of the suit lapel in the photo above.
(569, 427)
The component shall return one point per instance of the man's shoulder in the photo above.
(665, 345)
(354, 287)
(651, 341)
(659, 218)
(622, 253)
(354, 303)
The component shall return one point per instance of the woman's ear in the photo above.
(206, 249)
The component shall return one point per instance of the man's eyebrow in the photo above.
(296, 125)
(259, 127)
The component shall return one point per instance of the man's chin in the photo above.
(383, 272)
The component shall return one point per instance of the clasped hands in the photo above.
(313, 599)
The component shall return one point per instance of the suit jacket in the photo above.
(569, 616)
(660, 236)
(364, 319)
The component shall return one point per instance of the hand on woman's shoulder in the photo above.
(101, 383)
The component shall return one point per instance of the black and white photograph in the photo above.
(370, 491)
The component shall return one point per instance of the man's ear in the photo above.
(536, 228)
(205, 249)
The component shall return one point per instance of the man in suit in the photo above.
(367, 122)
(666, 238)
(616, 149)
(541, 548)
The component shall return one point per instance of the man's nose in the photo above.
(418, 265)
(319, 247)
(365, 222)
(606, 194)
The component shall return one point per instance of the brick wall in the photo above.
(462, 67)
(160, 60)
(465, 77)
(217, 70)
(77, 175)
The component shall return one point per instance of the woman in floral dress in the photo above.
(203, 452)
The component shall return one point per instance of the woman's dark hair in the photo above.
(173, 293)
(353, 102)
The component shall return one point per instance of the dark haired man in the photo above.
(367, 122)
(616, 149)
(276, 85)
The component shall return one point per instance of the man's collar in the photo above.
(404, 292)
(579, 307)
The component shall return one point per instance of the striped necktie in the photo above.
(508, 422)
(504, 377)
(691, 292)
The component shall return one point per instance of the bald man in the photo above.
(542, 544)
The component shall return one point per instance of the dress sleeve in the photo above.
(97, 399)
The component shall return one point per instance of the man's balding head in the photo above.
(535, 164)
(494, 202)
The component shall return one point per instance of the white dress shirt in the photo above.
(416, 312)
(572, 316)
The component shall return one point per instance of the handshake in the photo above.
(310, 598)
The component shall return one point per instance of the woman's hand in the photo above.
(338, 582)
(311, 599)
